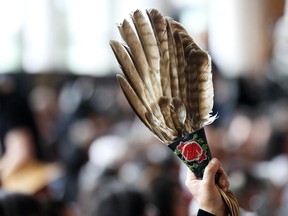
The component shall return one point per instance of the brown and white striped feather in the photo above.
(199, 83)
(150, 48)
(173, 61)
(137, 54)
(158, 24)
(178, 113)
(151, 122)
(165, 106)
(181, 63)
(139, 59)
(131, 73)
(136, 104)
(163, 132)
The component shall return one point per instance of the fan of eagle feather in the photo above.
(167, 80)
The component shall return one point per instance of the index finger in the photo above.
(211, 170)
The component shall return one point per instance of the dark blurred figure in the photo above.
(57, 208)
(21, 164)
(77, 124)
(110, 197)
(16, 204)
(102, 192)
(15, 113)
(169, 198)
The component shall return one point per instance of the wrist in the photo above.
(215, 210)
(202, 212)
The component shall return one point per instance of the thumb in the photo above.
(211, 170)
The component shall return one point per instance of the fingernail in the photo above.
(214, 161)
(223, 182)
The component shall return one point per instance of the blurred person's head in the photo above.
(19, 145)
(17, 118)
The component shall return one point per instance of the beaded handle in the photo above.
(193, 150)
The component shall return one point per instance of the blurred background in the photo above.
(68, 133)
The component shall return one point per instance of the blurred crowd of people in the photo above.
(78, 149)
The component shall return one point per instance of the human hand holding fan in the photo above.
(168, 83)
